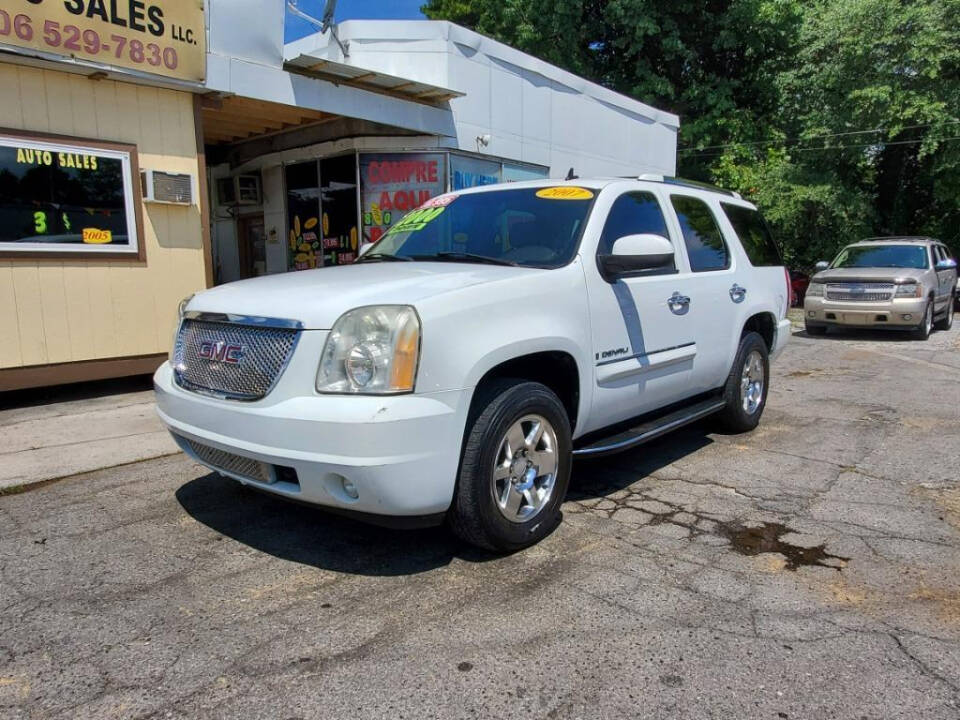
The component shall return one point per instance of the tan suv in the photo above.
(897, 282)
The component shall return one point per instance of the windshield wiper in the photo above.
(465, 257)
(383, 256)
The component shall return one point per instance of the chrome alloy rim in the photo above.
(751, 382)
(525, 468)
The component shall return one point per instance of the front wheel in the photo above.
(515, 467)
(745, 391)
(926, 327)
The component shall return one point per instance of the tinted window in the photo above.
(702, 236)
(537, 227)
(754, 235)
(62, 195)
(632, 214)
(882, 256)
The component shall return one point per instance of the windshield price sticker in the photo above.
(166, 38)
(439, 201)
(565, 193)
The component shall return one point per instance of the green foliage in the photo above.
(774, 96)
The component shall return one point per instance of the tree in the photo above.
(775, 97)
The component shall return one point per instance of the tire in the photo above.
(501, 504)
(744, 400)
(815, 330)
(946, 322)
(922, 331)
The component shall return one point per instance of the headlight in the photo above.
(181, 309)
(815, 290)
(371, 351)
(909, 290)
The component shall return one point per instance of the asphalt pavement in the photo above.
(808, 570)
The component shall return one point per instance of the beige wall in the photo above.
(56, 311)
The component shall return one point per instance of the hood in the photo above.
(318, 297)
(877, 275)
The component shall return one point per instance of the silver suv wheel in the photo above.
(751, 383)
(525, 469)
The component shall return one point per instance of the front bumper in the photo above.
(401, 453)
(899, 312)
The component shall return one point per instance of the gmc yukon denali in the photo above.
(491, 336)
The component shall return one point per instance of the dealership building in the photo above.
(152, 149)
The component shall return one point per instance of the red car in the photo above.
(798, 286)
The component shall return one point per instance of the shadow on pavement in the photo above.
(606, 475)
(310, 536)
(893, 335)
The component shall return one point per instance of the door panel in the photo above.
(644, 346)
(715, 284)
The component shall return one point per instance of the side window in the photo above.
(754, 235)
(701, 234)
(632, 214)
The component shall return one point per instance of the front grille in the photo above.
(860, 292)
(231, 360)
(228, 462)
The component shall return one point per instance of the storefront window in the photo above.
(467, 172)
(66, 198)
(338, 204)
(517, 173)
(393, 184)
(303, 216)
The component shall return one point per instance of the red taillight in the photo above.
(789, 295)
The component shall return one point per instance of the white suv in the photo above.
(486, 340)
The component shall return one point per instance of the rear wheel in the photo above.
(946, 322)
(515, 467)
(926, 327)
(746, 388)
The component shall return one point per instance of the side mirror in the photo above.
(822, 265)
(947, 264)
(635, 255)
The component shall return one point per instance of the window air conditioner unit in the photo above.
(239, 190)
(164, 187)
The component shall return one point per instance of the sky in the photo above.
(295, 27)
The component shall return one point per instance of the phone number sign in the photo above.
(165, 37)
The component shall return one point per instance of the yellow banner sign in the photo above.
(165, 37)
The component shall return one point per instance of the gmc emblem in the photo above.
(221, 352)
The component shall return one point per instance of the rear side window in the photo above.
(701, 234)
(632, 214)
(754, 235)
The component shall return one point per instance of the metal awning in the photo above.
(372, 80)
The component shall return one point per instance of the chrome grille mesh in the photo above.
(860, 292)
(230, 360)
(236, 464)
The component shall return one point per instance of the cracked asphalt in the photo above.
(810, 569)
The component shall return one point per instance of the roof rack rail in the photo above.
(668, 180)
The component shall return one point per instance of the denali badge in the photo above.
(221, 352)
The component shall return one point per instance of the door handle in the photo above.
(737, 293)
(678, 303)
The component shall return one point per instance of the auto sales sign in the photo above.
(164, 37)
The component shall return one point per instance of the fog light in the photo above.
(811, 313)
(349, 488)
(908, 316)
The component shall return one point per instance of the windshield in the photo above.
(882, 256)
(532, 227)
